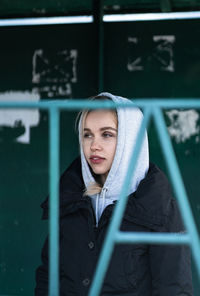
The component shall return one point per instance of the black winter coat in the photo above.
(135, 269)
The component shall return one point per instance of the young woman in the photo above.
(89, 189)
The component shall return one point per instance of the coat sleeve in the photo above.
(171, 264)
(41, 288)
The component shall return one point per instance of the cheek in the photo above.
(112, 150)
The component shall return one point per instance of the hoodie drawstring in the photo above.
(100, 204)
(96, 209)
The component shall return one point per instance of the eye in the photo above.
(107, 135)
(87, 135)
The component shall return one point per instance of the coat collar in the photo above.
(147, 206)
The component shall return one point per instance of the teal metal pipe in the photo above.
(87, 104)
(118, 213)
(113, 234)
(178, 185)
(54, 200)
(152, 238)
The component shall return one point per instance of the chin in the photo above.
(98, 172)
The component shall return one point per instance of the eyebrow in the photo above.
(103, 128)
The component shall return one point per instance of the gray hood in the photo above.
(129, 120)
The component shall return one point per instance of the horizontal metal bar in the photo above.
(152, 238)
(135, 17)
(38, 21)
(85, 104)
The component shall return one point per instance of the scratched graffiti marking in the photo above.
(54, 72)
(159, 55)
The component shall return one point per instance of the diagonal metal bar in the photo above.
(118, 213)
(53, 211)
(178, 184)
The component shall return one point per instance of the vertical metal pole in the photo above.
(178, 185)
(54, 202)
(117, 216)
(98, 23)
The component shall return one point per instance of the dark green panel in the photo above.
(151, 4)
(55, 53)
(142, 59)
(161, 60)
(154, 59)
(132, 5)
(23, 8)
(24, 185)
(54, 63)
(44, 7)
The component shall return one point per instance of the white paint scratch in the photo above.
(183, 124)
(27, 118)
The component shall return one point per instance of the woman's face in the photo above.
(100, 140)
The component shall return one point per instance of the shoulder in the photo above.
(71, 178)
(153, 202)
(70, 189)
(155, 191)
(155, 178)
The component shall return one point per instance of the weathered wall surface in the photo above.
(142, 60)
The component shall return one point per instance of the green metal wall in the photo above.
(141, 59)
(23, 8)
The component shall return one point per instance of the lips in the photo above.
(95, 159)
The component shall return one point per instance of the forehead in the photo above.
(101, 118)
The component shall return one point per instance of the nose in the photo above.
(95, 145)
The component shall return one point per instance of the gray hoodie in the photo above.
(129, 120)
